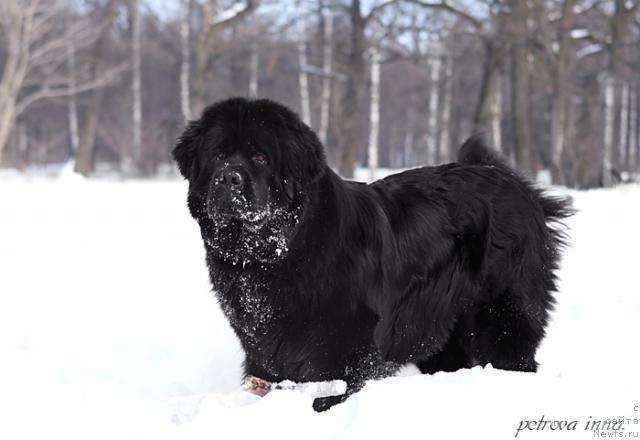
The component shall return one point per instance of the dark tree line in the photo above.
(109, 84)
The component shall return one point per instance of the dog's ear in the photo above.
(307, 162)
(185, 150)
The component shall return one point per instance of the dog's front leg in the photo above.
(324, 403)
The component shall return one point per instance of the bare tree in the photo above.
(84, 154)
(132, 160)
(72, 107)
(607, 176)
(559, 110)
(303, 80)
(496, 112)
(327, 62)
(213, 22)
(434, 91)
(353, 93)
(444, 151)
(624, 125)
(36, 48)
(633, 130)
(636, 123)
(520, 73)
(565, 71)
(253, 70)
(185, 27)
(618, 64)
(374, 101)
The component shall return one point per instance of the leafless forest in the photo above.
(107, 85)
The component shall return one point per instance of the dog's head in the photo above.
(249, 164)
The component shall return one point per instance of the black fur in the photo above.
(447, 267)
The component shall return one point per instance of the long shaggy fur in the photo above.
(446, 267)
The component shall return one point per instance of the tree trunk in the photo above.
(444, 151)
(408, 147)
(607, 178)
(521, 118)
(185, 102)
(618, 57)
(432, 122)
(213, 21)
(203, 55)
(133, 159)
(559, 110)
(7, 119)
(481, 114)
(588, 140)
(327, 60)
(636, 138)
(624, 120)
(84, 154)
(253, 70)
(374, 109)
(303, 79)
(356, 68)
(15, 67)
(72, 107)
(633, 127)
(629, 108)
(496, 112)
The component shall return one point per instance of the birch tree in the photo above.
(36, 47)
(253, 70)
(303, 80)
(132, 160)
(607, 176)
(72, 106)
(496, 112)
(624, 125)
(619, 57)
(432, 124)
(374, 102)
(444, 151)
(633, 131)
(185, 30)
(559, 104)
(355, 67)
(84, 155)
(519, 82)
(327, 62)
(214, 21)
(636, 123)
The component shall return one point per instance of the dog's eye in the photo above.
(260, 159)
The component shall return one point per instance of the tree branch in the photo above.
(379, 7)
(47, 92)
(233, 15)
(446, 6)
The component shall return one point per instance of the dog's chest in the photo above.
(249, 308)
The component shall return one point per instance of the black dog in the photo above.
(321, 278)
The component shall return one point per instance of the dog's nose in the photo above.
(232, 179)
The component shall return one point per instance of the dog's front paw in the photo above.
(324, 403)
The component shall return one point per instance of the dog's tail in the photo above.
(476, 152)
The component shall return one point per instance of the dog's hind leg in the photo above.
(506, 335)
(452, 357)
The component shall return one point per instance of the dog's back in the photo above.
(490, 250)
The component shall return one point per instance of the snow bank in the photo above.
(108, 329)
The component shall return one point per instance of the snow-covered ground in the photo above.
(108, 329)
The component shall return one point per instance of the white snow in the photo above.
(108, 329)
(579, 33)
